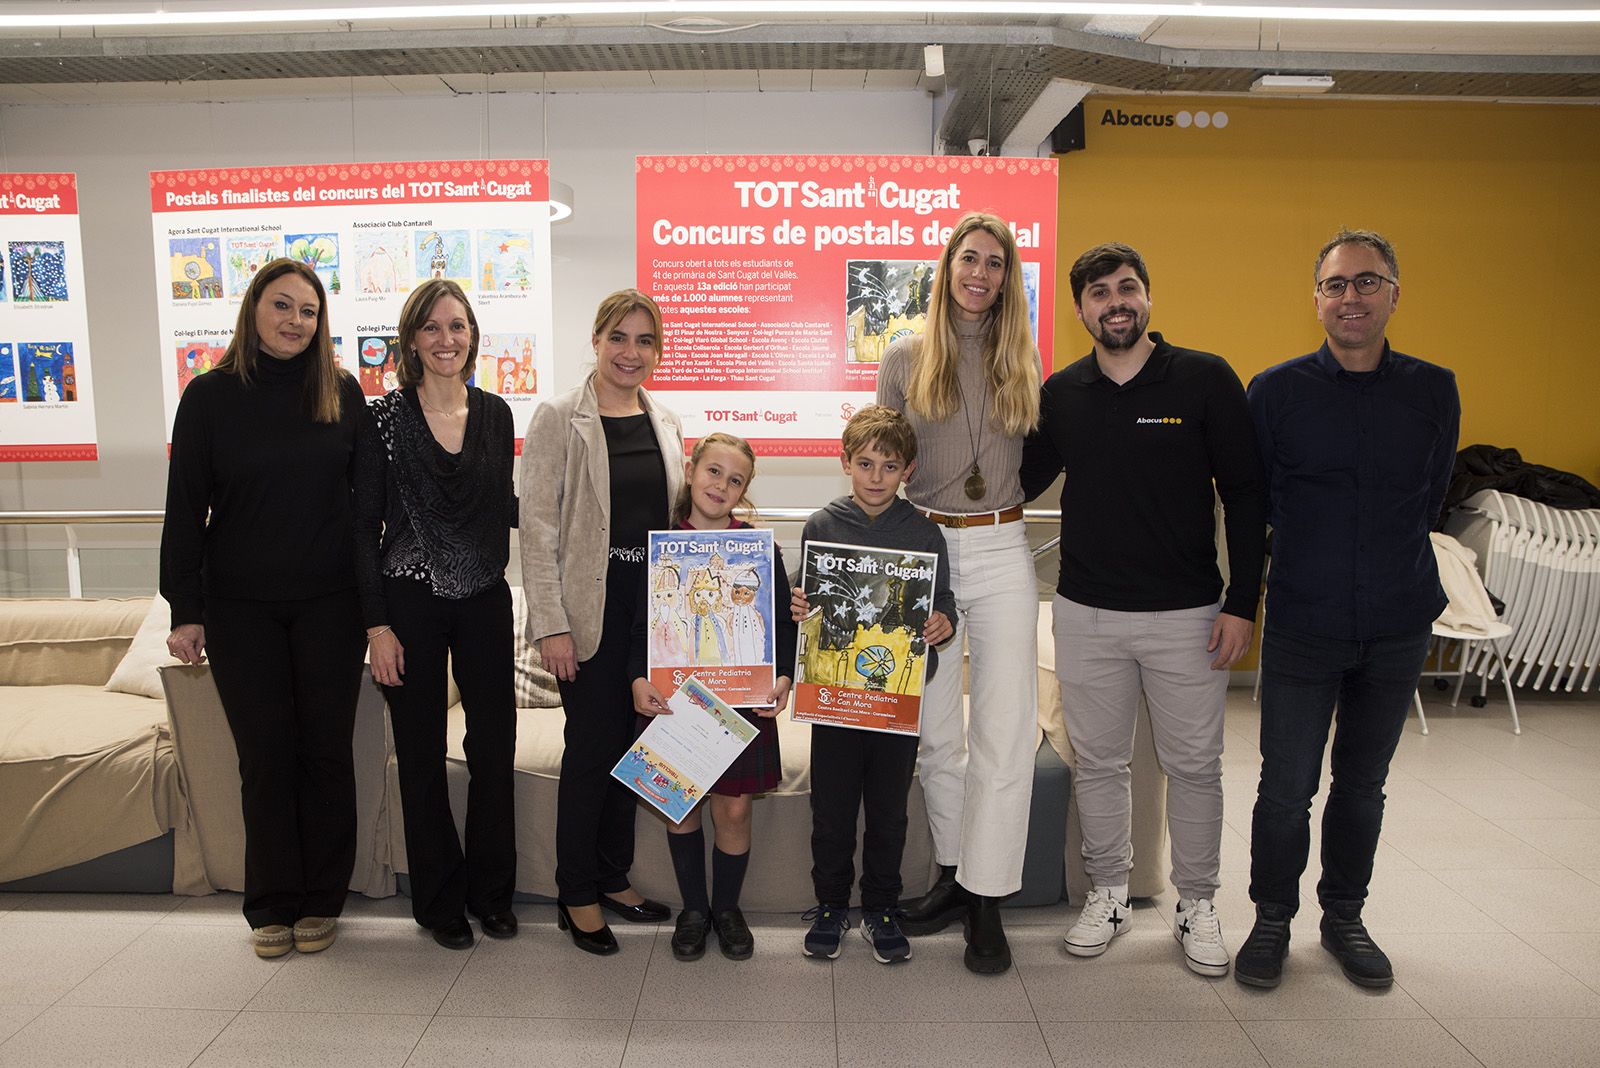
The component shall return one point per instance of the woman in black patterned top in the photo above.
(434, 511)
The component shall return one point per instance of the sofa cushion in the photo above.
(82, 773)
(139, 672)
(65, 641)
(536, 687)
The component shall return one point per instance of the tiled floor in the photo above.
(1485, 896)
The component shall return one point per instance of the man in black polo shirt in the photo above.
(1145, 430)
(1358, 442)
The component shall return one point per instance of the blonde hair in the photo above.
(415, 315)
(680, 507)
(1010, 357)
(323, 379)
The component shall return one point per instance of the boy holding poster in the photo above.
(852, 767)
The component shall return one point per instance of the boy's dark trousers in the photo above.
(849, 769)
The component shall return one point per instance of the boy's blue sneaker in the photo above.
(882, 929)
(828, 925)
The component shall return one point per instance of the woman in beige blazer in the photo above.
(600, 466)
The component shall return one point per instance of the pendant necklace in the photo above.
(974, 485)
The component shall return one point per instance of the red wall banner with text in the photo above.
(782, 279)
(46, 396)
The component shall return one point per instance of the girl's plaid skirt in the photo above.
(760, 767)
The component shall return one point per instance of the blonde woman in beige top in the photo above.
(970, 386)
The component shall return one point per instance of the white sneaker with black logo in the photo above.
(1100, 921)
(1201, 934)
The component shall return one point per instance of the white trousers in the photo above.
(977, 777)
(1105, 660)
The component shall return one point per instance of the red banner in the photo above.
(39, 194)
(312, 185)
(783, 278)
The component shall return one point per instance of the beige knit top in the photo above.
(945, 448)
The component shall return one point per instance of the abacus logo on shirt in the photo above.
(1170, 420)
(1182, 119)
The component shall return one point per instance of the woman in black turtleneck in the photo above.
(258, 563)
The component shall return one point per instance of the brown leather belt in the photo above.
(982, 519)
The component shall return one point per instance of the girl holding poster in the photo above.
(601, 465)
(434, 512)
(716, 479)
(258, 563)
(970, 386)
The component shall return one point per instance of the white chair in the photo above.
(1469, 618)
(1495, 633)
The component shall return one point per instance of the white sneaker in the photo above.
(1201, 934)
(1099, 922)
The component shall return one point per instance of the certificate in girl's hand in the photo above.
(680, 757)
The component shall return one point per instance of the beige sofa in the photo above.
(210, 768)
(85, 773)
(779, 876)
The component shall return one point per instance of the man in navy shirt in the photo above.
(1357, 441)
(1149, 434)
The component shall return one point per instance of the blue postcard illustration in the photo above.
(679, 757)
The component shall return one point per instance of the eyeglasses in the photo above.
(1366, 285)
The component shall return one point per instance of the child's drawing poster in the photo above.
(45, 379)
(861, 659)
(371, 232)
(710, 612)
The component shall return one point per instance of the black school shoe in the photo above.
(733, 934)
(1346, 937)
(689, 936)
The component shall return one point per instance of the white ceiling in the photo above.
(997, 64)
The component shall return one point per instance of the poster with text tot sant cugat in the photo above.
(861, 660)
(711, 612)
(782, 279)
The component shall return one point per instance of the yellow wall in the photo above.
(1494, 211)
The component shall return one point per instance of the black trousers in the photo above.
(475, 633)
(594, 812)
(852, 769)
(288, 673)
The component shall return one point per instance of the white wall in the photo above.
(592, 139)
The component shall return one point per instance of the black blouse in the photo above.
(427, 514)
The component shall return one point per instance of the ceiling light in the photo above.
(105, 14)
(561, 201)
(933, 60)
(1292, 83)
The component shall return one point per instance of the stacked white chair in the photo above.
(1544, 563)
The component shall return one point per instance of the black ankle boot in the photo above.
(1259, 962)
(987, 951)
(1346, 937)
(941, 906)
